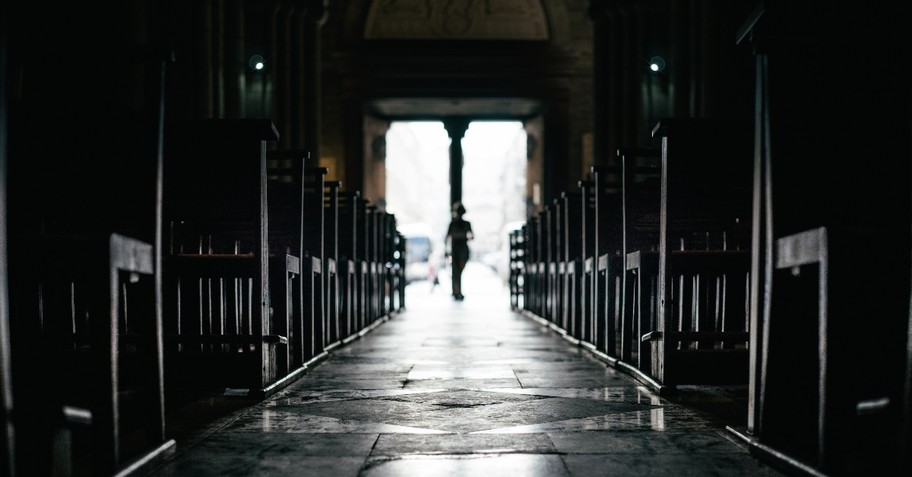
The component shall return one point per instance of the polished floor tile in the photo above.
(510, 465)
(454, 444)
(467, 389)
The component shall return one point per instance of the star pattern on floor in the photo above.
(453, 411)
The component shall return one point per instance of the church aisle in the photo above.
(465, 388)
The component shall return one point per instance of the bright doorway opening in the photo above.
(418, 191)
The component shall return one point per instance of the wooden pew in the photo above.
(517, 277)
(588, 273)
(313, 335)
(380, 261)
(701, 335)
(399, 270)
(831, 377)
(83, 346)
(530, 264)
(385, 244)
(572, 258)
(87, 353)
(607, 251)
(551, 216)
(218, 325)
(535, 266)
(334, 333)
(349, 262)
(641, 199)
(369, 265)
(385, 229)
(285, 202)
(373, 263)
(388, 238)
(363, 266)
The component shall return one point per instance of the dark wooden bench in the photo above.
(388, 237)
(348, 262)
(87, 353)
(377, 269)
(334, 333)
(375, 251)
(831, 375)
(641, 200)
(362, 267)
(399, 267)
(285, 202)
(81, 358)
(369, 264)
(572, 258)
(607, 253)
(701, 334)
(551, 216)
(219, 330)
(535, 266)
(587, 272)
(313, 337)
(517, 277)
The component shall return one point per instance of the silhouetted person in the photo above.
(458, 235)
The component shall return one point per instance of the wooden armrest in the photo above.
(225, 339)
(641, 259)
(697, 336)
(275, 339)
(602, 262)
(293, 264)
(70, 415)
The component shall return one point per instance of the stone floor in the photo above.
(466, 388)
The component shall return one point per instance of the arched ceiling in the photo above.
(502, 37)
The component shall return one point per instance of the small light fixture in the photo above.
(657, 64)
(256, 62)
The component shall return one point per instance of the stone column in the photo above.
(282, 69)
(235, 61)
(314, 18)
(456, 128)
(298, 92)
(203, 74)
(602, 82)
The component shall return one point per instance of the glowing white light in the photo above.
(256, 62)
(657, 63)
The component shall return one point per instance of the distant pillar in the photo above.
(603, 83)
(456, 128)
(315, 17)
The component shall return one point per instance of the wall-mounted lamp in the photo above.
(657, 64)
(256, 62)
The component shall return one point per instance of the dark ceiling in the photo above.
(473, 108)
